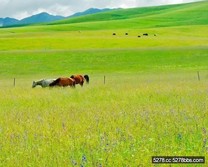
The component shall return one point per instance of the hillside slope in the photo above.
(160, 16)
(88, 12)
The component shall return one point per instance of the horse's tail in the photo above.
(54, 83)
(87, 78)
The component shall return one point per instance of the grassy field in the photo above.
(121, 123)
(151, 104)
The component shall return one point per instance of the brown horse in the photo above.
(79, 79)
(63, 82)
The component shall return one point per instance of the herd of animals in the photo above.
(62, 81)
(144, 34)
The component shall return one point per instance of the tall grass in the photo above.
(121, 123)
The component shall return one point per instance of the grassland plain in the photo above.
(121, 123)
(151, 104)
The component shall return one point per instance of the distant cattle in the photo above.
(126, 33)
(145, 34)
(114, 33)
(138, 36)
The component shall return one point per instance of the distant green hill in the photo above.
(89, 11)
(160, 16)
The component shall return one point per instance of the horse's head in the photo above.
(33, 84)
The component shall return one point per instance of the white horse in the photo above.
(43, 83)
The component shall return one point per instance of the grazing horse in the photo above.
(63, 82)
(43, 83)
(79, 79)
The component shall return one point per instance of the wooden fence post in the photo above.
(198, 75)
(14, 82)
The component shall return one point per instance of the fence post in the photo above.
(14, 82)
(198, 75)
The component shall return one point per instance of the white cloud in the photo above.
(60, 10)
(20, 9)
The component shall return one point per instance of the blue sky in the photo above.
(23, 8)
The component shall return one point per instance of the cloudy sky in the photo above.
(23, 8)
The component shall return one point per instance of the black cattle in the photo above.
(145, 34)
(126, 33)
(138, 36)
(114, 33)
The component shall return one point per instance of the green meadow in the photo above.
(151, 103)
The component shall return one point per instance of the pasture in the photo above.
(121, 123)
(152, 102)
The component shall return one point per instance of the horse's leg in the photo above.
(72, 84)
(81, 83)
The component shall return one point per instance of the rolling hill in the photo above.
(144, 17)
(159, 16)
(89, 11)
